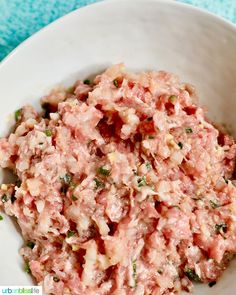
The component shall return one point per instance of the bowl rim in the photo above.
(228, 24)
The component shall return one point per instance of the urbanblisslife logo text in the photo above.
(35, 290)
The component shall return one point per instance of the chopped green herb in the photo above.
(191, 274)
(213, 204)
(180, 144)
(48, 132)
(66, 178)
(74, 198)
(70, 90)
(1, 218)
(13, 198)
(176, 206)
(149, 119)
(27, 268)
(63, 189)
(134, 267)
(221, 228)
(115, 82)
(4, 198)
(211, 284)
(172, 98)
(98, 183)
(189, 130)
(149, 166)
(151, 137)
(31, 245)
(72, 185)
(103, 171)
(134, 171)
(226, 180)
(141, 181)
(56, 279)
(70, 233)
(18, 183)
(66, 181)
(87, 81)
(134, 264)
(18, 114)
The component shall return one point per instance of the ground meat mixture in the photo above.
(124, 187)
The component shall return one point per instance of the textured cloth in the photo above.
(20, 19)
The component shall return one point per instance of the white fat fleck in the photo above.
(30, 123)
(4, 187)
(177, 157)
(197, 269)
(138, 249)
(40, 205)
(34, 185)
(103, 262)
(163, 186)
(22, 165)
(102, 226)
(146, 144)
(89, 266)
(126, 129)
(55, 116)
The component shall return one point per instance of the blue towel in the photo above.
(21, 18)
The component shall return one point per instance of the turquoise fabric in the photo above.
(21, 18)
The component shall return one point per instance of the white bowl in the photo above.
(144, 34)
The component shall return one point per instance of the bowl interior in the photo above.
(149, 34)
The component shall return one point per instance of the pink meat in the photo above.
(125, 188)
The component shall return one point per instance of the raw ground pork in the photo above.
(124, 187)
